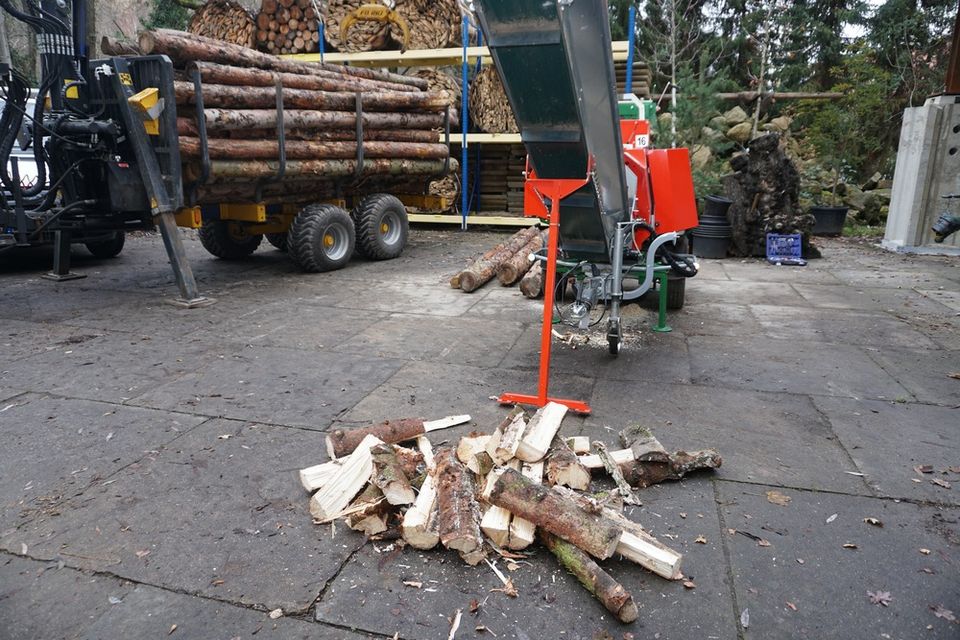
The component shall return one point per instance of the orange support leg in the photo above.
(555, 190)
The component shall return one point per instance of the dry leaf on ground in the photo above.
(775, 497)
(873, 521)
(942, 612)
(880, 597)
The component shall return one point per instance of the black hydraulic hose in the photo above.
(53, 218)
(681, 265)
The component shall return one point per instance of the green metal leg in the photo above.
(662, 326)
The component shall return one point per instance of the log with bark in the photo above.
(363, 36)
(512, 270)
(222, 120)
(223, 20)
(215, 73)
(594, 533)
(489, 107)
(113, 47)
(342, 442)
(522, 530)
(531, 285)
(184, 48)
(234, 170)
(601, 584)
(389, 476)
(445, 79)
(484, 268)
(434, 24)
(563, 467)
(458, 515)
(308, 150)
(368, 513)
(287, 26)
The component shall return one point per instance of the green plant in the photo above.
(169, 14)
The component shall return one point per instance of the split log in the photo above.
(234, 170)
(343, 442)
(235, 97)
(363, 36)
(308, 150)
(601, 584)
(368, 513)
(468, 448)
(561, 516)
(522, 530)
(184, 48)
(389, 477)
(563, 467)
(531, 285)
(624, 487)
(504, 442)
(484, 268)
(328, 503)
(419, 527)
(213, 73)
(224, 20)
(244, 119)
(434, 24)
(113, 47)
(495, 523)
(578, 444)
(313, 478)
(540, 432)
(650, 463)
(489, 106)
(458, 510)
(514, 269)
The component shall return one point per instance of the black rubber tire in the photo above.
(677, 284)
(228, 240)
(312, 229)
(278, 240)
(105, 249)
(382, 227)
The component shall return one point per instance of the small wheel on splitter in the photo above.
(321, 238)
(382, 227)
(614, 338)
(228, 240)
(109, 247)
(278, 240)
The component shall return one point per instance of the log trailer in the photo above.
(107, 142)
(616, 208)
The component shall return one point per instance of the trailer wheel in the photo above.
(382, 227)
(109, 248)
(278, 240)
(228, 240)
(321, 238)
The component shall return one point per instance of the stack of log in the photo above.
(434, 24)
(509, 261)
(489, 107)
(287, 26)
(502, 491)
(444, 79)
(642, 78)
(223, 20)
(400, 122)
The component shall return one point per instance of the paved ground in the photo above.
(125, 509)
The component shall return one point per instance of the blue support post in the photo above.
(465, 88)
(631, 43)
(320, 34)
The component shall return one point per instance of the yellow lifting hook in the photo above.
(376, 13)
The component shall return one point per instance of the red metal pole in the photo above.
(550, 283)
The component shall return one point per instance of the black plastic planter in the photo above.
(708, 244)
(829, 220)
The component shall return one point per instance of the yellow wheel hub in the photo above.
(328, 240)
(384, 227)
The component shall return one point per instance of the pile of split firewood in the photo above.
(510, 262)
(500, 491)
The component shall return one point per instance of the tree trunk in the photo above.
(305, 150)
(531, 285)
(233, 97)
(513, 269)
(342, 442)
(484, 268)
(184, 48)
(240, 119)
(458, 510)
(558, 514)
(113, 47)
(233, 170)
(213, 73)
(601, 584)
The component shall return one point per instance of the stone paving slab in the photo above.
(949, 298)
(715, 319)
(838, 327)
(807, 566)
(894, 278)
(468, 341)
(504, 304)
(19, 339)
(926, 374)
(887, 440)
(222, 503)
(115, 367)
(792, 366)
(762, 437)
(83, 609)
(902, 301)
(92, 440)
(279, 386)
(762, 271)
(370, 595)
(300, 324)
(742, 292)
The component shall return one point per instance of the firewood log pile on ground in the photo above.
(508, 261)
(497, 493)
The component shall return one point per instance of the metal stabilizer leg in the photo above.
(189, 294)
(614, 331)
(61, 258)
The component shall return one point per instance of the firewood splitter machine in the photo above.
(616, 208)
